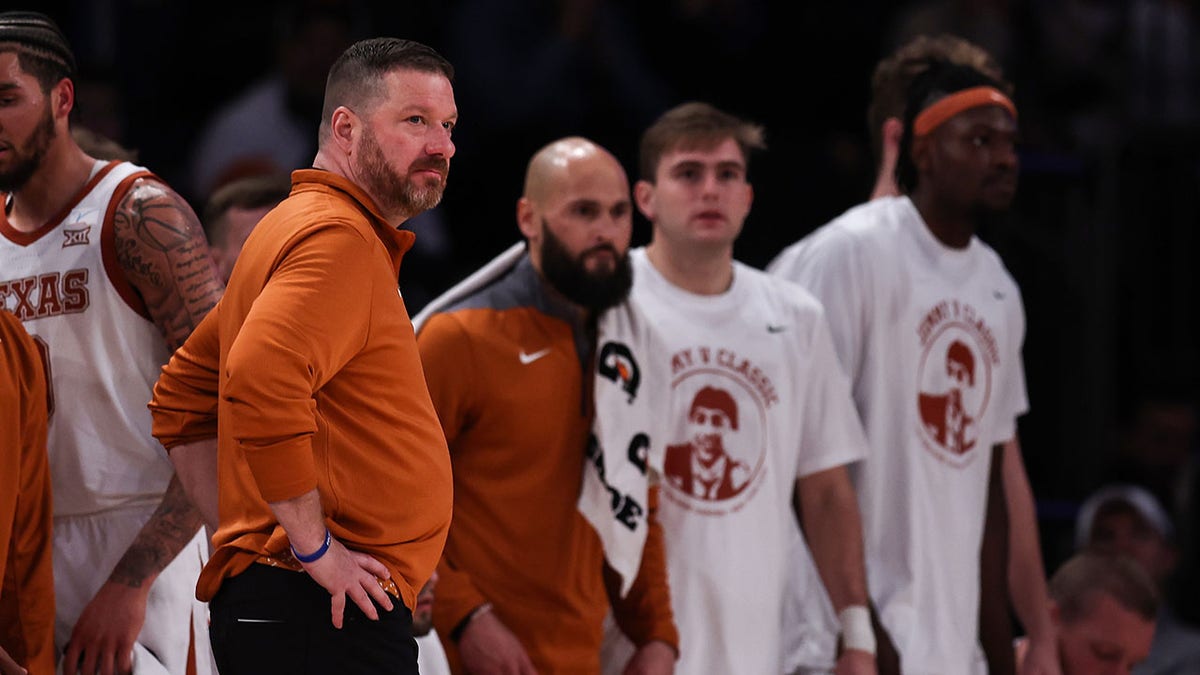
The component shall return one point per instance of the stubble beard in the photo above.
(396, 192)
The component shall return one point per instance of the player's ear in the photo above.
(62, 98)
(527, 220)
(643, 196)
(343, 128)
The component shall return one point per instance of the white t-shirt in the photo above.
(931, 338)
(757, 401)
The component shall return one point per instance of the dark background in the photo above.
(1101, 241)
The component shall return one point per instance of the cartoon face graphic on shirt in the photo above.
(954, 387)
(943, 415)
(718, 435)
(702, 466)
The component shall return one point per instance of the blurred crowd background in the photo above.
(1101, 241)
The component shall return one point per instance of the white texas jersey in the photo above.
(931, 339)
(64, 283)
(757, 400)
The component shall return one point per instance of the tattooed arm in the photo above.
(162, 250)
(164, 254)
(102, 639)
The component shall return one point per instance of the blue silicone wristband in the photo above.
(313, 557)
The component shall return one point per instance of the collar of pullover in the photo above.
(398, 241)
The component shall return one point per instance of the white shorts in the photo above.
(86, 548)
(431, 658)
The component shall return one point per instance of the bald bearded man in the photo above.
(523, 579)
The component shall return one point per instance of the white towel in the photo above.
(624, 450)
(620, 455)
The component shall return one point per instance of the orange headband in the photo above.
(975, 97)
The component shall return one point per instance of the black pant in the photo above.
(271, 620)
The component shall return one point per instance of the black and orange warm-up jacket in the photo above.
(508, 371)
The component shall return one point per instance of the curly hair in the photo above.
(936, 82)
(893, 75)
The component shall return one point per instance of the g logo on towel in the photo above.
(617, 364)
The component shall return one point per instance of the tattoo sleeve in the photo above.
(169, 529)
(164, 254)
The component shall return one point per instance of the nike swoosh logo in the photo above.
(527, 359)
(776, 328)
